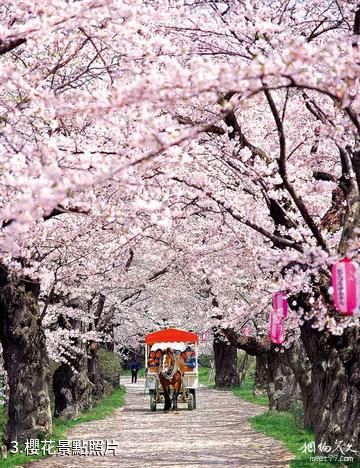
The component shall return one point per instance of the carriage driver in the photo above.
(190, 359)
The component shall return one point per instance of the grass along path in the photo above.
(244, 392)
(204, 374)
(282, 426)
(286, 427)
(102, 410)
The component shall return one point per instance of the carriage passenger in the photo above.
(158, 356)
(152, 359)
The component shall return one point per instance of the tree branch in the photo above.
(283, 173)
(129, 260)
(55, 212)
(278, 241)
(10, 44)
(251, 345)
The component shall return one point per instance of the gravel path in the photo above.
(217, 433)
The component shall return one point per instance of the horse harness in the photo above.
(169, 374)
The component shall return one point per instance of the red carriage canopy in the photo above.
(171, 335)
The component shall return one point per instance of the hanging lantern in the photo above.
(280, 303)
(277, 316)
(346, 286)
(204, 336)
(277, 332)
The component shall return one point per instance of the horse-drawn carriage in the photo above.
(171, 361)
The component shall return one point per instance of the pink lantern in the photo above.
(205, 336)
(346, 285)
(277, 316)
(280, 303)
(277, 332)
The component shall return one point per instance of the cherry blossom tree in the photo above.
(185, 160)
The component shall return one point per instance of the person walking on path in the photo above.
(134, 366)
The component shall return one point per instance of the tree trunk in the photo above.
(225, 355)
(25, 360)
(110, 345)
(95, 374)
(282, 385)
(301, 366)
(72, 389)
(335, 385)
(243, 368)
(260, 379)
(94, 371)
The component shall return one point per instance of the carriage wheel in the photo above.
(190, 402)
(152, 400)
(192, 391)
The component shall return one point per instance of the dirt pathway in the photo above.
(217, 433)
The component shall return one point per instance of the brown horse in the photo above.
(171, 372)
